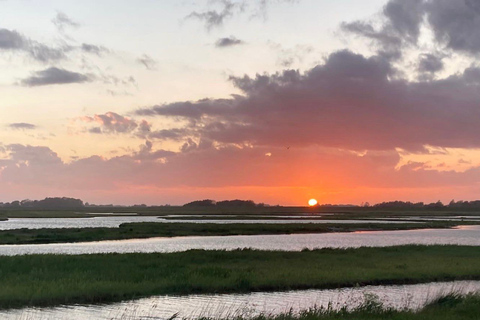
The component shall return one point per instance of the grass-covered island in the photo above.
(153, 229)
(41, 280)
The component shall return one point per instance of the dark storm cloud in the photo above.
(228, 42)
(22, 126)
(54, 75)
(349, 102)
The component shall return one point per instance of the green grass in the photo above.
(153, 229)
(450, 307)
(38, 280)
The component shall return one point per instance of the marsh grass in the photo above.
(153, 229)
(45, 280)
(449, 307)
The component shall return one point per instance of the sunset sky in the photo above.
(277, 101)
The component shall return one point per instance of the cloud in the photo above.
(262, 6)
(228, 42)
(54, 75)
(148, 62)
(116, 81)
(405, 17)
(113, 123)
(62, 21)
(289, 56)
(350, 102)
(174, 134)
(454, 24)
(11, 40)
(346, 175)
(430, 63)
(44, 53)
(214, 18)
(22, 126)
(93, 49)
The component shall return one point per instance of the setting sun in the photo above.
(312, 202)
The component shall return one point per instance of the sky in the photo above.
(276, 101)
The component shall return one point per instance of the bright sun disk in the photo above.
(312, 202)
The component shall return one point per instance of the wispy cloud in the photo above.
(11, 40)
(148, 62)
(216, 18)
(62, 21)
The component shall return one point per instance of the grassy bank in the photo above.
(450, 307)
(55, 279)
(152, 229)
(339, 212)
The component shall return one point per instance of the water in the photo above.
(299, 216)
(410, 297)
(93, 222)
(462, 235)
(114, 222)
(436, 218)
(278, 221)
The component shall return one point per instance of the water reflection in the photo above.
(465, 235)
(114, 222)
(280, 221)
(231, 305)
(90, 222)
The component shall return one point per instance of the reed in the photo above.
(40, 280)
(153, 229)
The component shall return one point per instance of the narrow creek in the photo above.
(224, 306)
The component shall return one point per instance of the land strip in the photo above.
(143, 230)
(41, 280)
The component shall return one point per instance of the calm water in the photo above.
(114, 222)
(93, 222)
(463, 235)
(437, 218)
(230, 305)
(276, 221)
